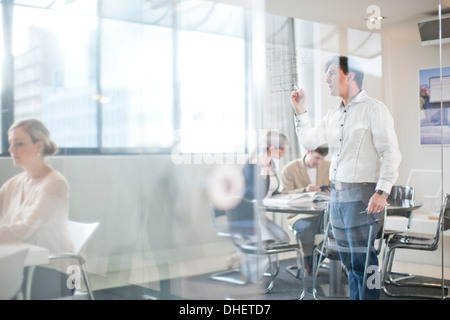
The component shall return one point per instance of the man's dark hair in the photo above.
(347, 65)
(322, 151)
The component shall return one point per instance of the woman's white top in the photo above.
(40, 218)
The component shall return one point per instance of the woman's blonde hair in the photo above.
(38, 132)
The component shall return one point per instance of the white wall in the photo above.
(403, 57)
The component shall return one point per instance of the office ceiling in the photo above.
(348, 13)
(353, 13)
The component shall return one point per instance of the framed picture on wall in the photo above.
(431, 91)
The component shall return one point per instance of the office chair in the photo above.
(408, 242)
(11, 275)
(80, 234)
(401, 193)
(329, 249)
(294, 269)
(232, 275)
(243, 231)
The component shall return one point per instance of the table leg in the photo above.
(336, 279)
(29, 281)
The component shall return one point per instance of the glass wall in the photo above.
(157, 105)
(146, 100)
(396, 59)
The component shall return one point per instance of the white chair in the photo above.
(80, 234)
(11, 275)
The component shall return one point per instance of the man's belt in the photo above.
(345, 185)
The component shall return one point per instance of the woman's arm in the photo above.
(50, 202)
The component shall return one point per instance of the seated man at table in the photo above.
(306, 174)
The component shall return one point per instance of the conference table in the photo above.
(35, 256)
(321, 207)
(313, 208)
(403, 205)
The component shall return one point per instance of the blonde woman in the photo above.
(34, 204)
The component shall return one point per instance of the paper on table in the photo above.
(296, 199)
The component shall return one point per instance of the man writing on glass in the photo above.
(364, 164)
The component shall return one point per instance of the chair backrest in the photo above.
(241, 219)
(220, 228)
(11, 274)
(443, 221)
(401, 193)
(444, 215)
(80, 234)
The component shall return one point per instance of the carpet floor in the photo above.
(286, 287)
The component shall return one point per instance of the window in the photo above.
(134, 78)
(137, 85)
(212, 93)
(54, 73)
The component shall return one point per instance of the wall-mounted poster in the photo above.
(430, 94)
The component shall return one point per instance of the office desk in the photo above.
(35, 256)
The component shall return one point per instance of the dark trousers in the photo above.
(351, 231)
(47, 284)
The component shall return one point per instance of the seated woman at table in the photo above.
(34, 204)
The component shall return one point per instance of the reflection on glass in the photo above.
(182, 76)
(212, 92)
(1, 68)
(54, 73)
(137, 85)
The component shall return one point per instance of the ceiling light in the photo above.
(373, 19)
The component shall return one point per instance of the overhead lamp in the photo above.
(373, 19)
